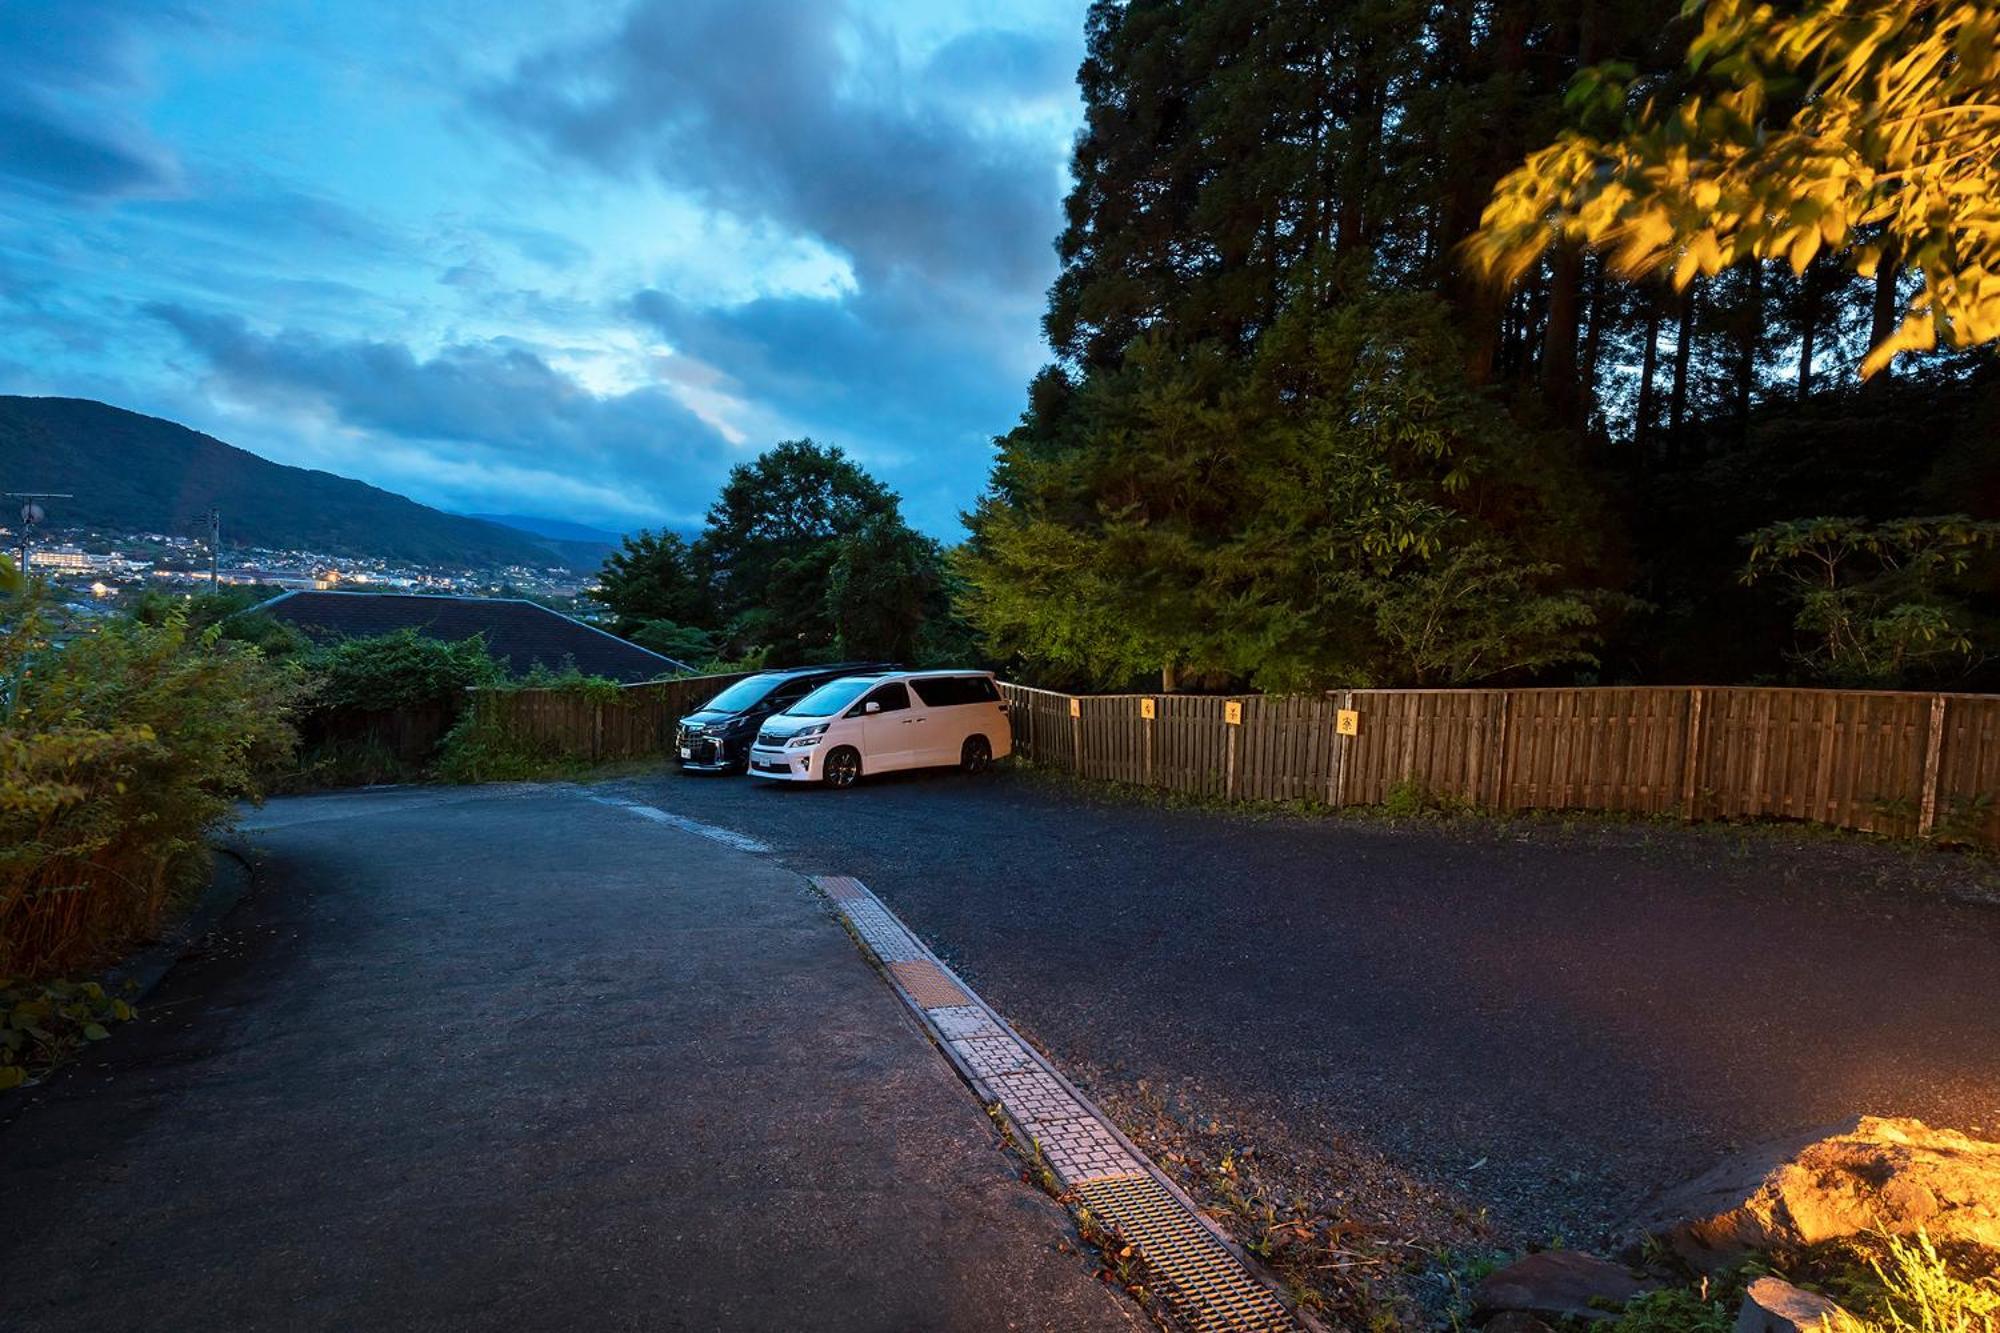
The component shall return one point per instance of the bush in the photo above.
(119, 750)
(43, 1025)
(400, 670)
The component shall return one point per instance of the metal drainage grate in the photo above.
(1201, 1279)
(928, 985)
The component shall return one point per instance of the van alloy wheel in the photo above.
(976, 756)
(842, 767)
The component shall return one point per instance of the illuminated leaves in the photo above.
(1865, 127)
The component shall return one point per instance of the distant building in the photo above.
(520, 633)
(67, 559)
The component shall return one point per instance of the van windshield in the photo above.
(741, 695)
(830, 699)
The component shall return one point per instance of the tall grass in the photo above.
(120, 748)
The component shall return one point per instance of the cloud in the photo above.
(64, 59)
(797, 112)
(489, 420)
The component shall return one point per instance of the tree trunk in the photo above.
(1808, 326)
(1642, 429)
(1749, 334)
(1882, 318)
(1593, 342)
(1683, 346)
(1559, 338)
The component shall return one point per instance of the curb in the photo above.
(1100, 1170)
(232, 877)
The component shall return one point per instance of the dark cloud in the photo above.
(915, 385)
(503, 403)
(994, 64)
(792, 111)
(62, 56)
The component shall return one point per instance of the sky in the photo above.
(571, 260)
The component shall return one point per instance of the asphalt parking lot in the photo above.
(1543, 1021)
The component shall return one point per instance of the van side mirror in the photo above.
(871, 707)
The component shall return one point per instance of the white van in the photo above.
(882, 722)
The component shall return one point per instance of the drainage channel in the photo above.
(1207, 1282)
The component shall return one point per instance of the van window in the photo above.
(893, 698)
(947, 691)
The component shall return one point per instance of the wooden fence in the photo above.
(1901, 764)
(636, 723)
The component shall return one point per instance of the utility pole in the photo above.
(31, 514)
(214, 549)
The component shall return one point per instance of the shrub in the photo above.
(43, 1025)
(119, 750)
(400, 670)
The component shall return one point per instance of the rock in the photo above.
(1559, 1282)
(1516, 1321)
(1772, 1305)
(1871, 1173)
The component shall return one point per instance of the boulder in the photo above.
(1516, 1321)
(1559, 1282)
(1773, 1305)
(1868, 1174)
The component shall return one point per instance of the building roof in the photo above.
(521, 633)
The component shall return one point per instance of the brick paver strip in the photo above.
(1203, 1279)
(840, 888)
(991, 1056)
(1033, 1095)
(964, 1020)
(928, 985)
(890, 942)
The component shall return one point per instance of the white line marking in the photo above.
(742, 842)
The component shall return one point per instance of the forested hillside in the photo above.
(1293, 437)
(136, 473)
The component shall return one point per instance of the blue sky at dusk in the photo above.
(565, 259)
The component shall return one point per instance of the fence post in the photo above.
(1691, 757)
(1336, 781)
(1229, 778)
(1076, 735)
(1151, 714)
(1500, 750)
(1933, 751)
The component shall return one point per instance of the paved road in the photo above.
(1549, 1024)
(509, 1057)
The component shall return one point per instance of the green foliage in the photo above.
(885, 584)
(1672, 1310)
(1342, 508)
(481, 748)
(1861, 126)
(118, 752)
(1896, 1284)
(653, 577)
(683, 643)
(232, 609)
(43, 1024)
(403, 669)
(1873, 601)
(804, 558)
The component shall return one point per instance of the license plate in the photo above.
(686, 753)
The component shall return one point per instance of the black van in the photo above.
(716, 737)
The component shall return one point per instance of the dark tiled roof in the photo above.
(519, 633)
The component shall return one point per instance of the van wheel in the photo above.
(843, 766)
(976, 756)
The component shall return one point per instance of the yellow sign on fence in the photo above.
(1075, 707)
(1347, 722)
(1232, 712)
(1148, 709)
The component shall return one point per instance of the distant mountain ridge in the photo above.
(138, 473)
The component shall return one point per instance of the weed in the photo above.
(43, 1024)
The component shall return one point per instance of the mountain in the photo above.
(137, 473)
(577, 545)
(555, 529)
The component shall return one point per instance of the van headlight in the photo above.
(805, 736)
